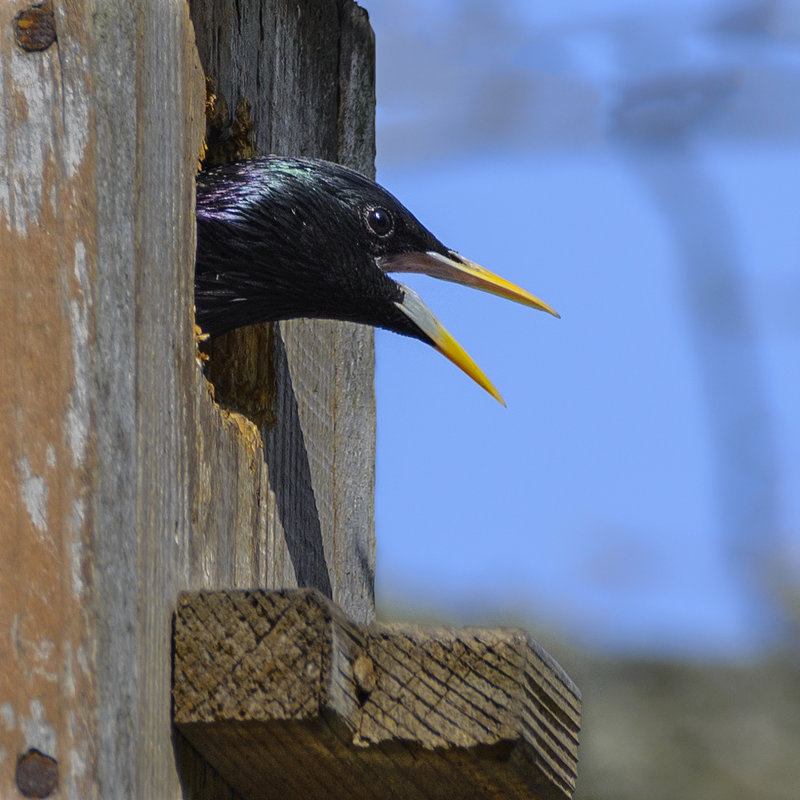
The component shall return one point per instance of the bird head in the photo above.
(279, 238)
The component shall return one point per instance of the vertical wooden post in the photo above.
(121, 481)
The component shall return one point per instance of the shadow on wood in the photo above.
(295, 502)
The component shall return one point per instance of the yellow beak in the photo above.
(413, 307)
(454, 267)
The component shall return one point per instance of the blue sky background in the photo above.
(637, 166)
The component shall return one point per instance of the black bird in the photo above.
(297, 237)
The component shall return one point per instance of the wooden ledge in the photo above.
(287, 698)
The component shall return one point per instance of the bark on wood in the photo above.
(286, 697)
(121, 482)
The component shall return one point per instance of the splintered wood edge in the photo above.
(487, 704)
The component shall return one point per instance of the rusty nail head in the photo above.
(35, 28)
(37, 774)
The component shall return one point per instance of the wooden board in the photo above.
(286, 697)
(121, 481)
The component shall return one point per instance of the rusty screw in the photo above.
(35, 28)
(37, 774)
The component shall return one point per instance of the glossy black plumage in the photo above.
(288, 237)
(295, 237)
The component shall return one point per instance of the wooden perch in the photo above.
(284, 696)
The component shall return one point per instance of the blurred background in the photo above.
(636, 506)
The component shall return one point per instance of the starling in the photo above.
(279, 238)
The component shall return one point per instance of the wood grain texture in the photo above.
(285, 696)
(307, 71)
(121, 481)
(48, 689)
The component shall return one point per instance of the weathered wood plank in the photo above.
(282, 693)
(121, 481)
(47, 264)
(307, 72)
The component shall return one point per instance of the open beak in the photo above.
(454, 267)
(457, 269)
(413, 307)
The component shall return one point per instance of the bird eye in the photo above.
(380, 221)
